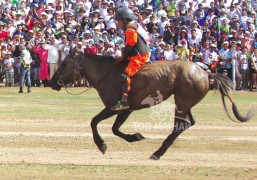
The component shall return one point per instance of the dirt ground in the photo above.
(71, 144)
(32, 146)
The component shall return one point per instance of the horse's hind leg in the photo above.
(104, 114)
(121, 118)
(182, 122)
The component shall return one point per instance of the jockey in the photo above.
(136, 51)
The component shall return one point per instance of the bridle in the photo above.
(75, 71)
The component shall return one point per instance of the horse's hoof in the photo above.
(103, 148)
(154, 157)
(139, 136)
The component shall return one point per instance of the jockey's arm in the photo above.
(131, 40)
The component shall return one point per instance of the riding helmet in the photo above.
(124, 13)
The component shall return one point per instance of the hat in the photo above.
(247, 32)
(49, 8)
(225, 42)
(96, 11)
(213, 45)
(64, 37)
(162, 43)
(80, 43)
(8, 52)
(87, 32)
(71, 14)
(184, 31)
(43, 14)
(91, 41)
(149, 8)
(104, 32)
(22, 44)
(31, 31)
(1, 23)
(223, 10)
(183, 41)
(179, 46)
(194, 22)
(96, 28)
(249, 20)
(235, 16)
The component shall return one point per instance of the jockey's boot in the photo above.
(29, 89)
(21, 90)
(123, 104)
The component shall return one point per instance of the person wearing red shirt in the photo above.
(3, 33)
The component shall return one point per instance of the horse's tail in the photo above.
(224, 85)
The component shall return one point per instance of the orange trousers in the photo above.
(136, 62)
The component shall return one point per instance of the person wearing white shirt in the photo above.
(194, 40)
(63, 49)
(243, 17)
(117, 52)
(103, 9)
(161, 25)
(244, 61)
(210, 55)
(53, 56)
(168, 52)
(235, 58)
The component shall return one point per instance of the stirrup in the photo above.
(120, 106)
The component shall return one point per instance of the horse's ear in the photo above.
(73, 51)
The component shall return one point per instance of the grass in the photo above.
(203, 151)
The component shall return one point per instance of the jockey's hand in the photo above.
(118, 59)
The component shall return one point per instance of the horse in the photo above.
(185, 80)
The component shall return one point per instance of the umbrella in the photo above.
(184, 18)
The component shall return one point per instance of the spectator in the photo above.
(53, 55)
(25, 60)
(42, 55)
(244, 61)
(63, 49)
(8, 66)
(213, 23)
(210, 57)
(168, 53)
(254, 68)
(237, 58)
(225, 58)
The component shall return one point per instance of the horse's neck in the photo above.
(95, 71)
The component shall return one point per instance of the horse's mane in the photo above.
(100, 58)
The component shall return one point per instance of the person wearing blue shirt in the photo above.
(226, 59)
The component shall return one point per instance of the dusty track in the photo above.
(69, 143)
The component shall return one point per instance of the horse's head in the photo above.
(68, 71)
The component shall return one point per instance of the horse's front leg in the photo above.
(121, 118)
(104, 114)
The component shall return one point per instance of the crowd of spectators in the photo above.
(213, 34)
